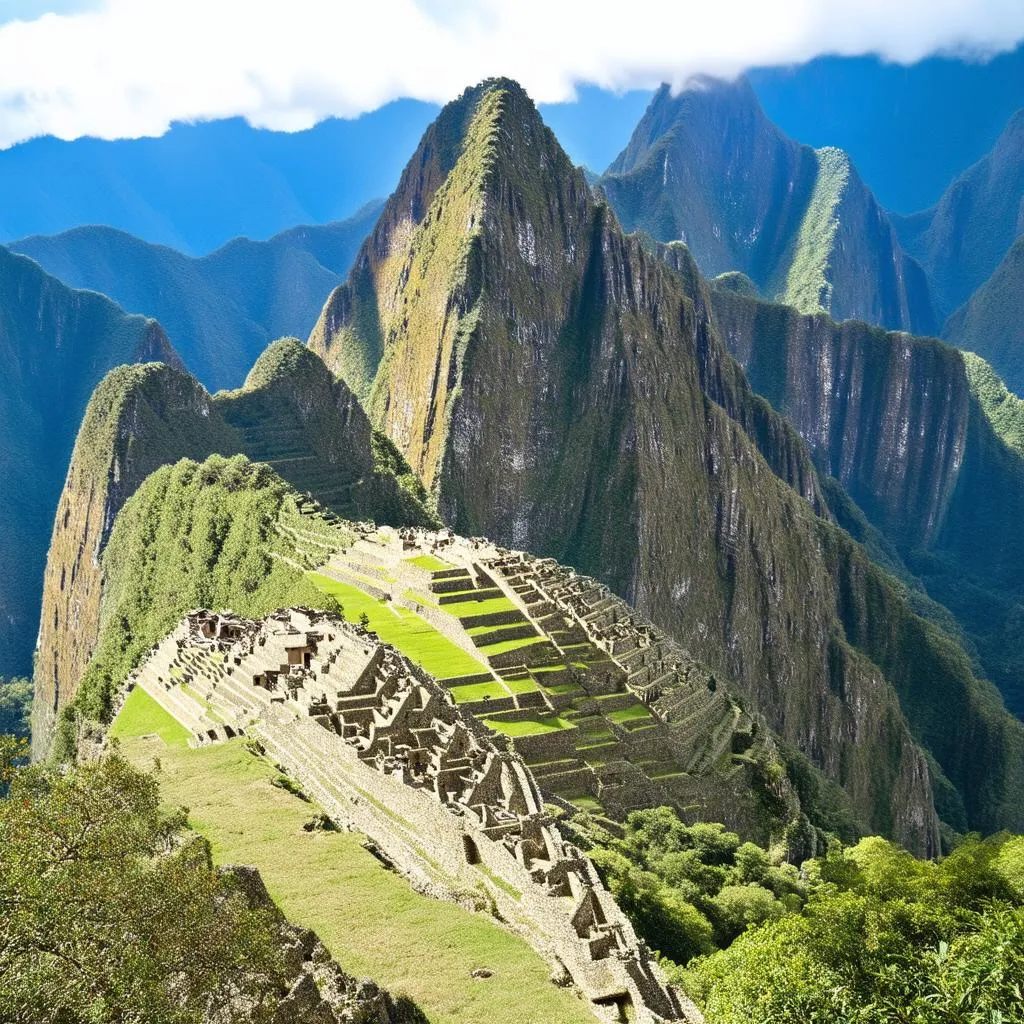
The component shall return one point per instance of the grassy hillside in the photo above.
(1003, 408)
(194, 535)
(221, 310)
(807, 284)
(368, 917)
(55, 346)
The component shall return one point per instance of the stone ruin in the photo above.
(383, 748)
(592, 659)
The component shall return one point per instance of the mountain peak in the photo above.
(707, 167)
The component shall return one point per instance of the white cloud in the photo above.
(130, 67)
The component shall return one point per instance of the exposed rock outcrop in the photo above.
(319, 991)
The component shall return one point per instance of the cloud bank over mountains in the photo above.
(125, 68)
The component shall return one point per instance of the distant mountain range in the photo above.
(908, 130)
(707, 168)
(222, 310)
(55, 346)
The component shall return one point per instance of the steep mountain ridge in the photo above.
(55, 345)
(708, 168)
(221, 310)
(559, 391)
(991, 322)
(896, 420)
(291, 413)
(962, 239)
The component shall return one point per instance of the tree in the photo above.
(15, 706)
(113, 912)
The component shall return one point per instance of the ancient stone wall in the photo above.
(382, 747)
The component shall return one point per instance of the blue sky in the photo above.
(126, 68)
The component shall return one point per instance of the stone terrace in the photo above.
(609, 712)
(382, 746)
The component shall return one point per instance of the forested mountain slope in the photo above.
(55, 345)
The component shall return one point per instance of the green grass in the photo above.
(477, 691)
(529, 727)
(631, 714)
(369, 918)
(807, 285)
(488, 606)
(142, 716)
(403, 629)
(510, 645)
(526, 685)
(200, 699)
(430, 563)
(563, 688)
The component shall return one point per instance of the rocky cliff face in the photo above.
(140, 418)
(706, 167)
(291, 413)
(563, 392)
(896, 420)
(55, 346)
(962, 239)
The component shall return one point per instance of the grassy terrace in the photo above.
(403, 629)
(430, 563)
(529, 727)
(369, 918)
(472, 606)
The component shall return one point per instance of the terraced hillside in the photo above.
(383, 748)
(291, 413)
(608, 711)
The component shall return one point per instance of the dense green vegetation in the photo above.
(210, 535)
(866, 933)
(108, 900)
(15, 706)
(883, 938)
(689, 889)
(808, 287)
(1005, 411)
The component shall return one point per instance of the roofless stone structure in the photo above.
(384, 749)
